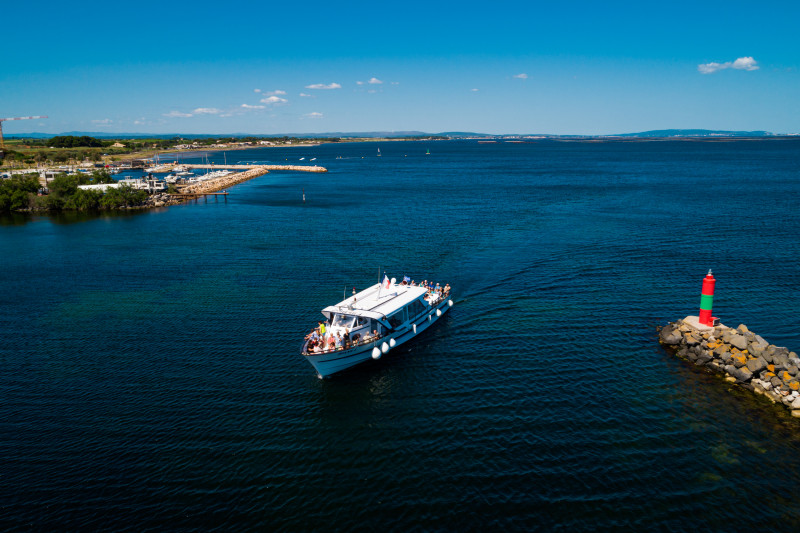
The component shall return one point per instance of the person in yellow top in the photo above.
(322, 329)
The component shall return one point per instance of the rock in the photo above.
(756, 365)
(703, 358)
(796, 413)
(739, 341)
(725, 356)
(791, 369)
(692, 340)
(741, 374)
(767, 356)
(776, 382)
(731, 379)
(670, 337)
(760, 340)
(739, 359)
(743, 329)
(796, 403)
(683, 353)
(755, 349)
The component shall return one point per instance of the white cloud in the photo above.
(313, 115)
(474, 90)
(323, 86)
(273, 100)
(173, 114)
(359, 83)
(274, 93)
(395, 83)
(102, 121)
(207, 111)
(248, 106)
(304, 95)
(742, 63)
(256, 90)
(374, 81)
(520, 76)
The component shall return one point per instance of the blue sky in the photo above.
(495, 67)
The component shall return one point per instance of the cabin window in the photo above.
(416, 308)
(398, 318)
(343, 321)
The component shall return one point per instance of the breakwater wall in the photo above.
(218, 184)
(741, 356)
(223, 182)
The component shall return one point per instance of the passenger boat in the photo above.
(372, 322)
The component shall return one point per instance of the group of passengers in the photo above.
(433, 289)
(320, 340)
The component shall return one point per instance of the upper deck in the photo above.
(377, 301)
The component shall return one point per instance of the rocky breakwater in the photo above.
(739, 354)
(161, 199)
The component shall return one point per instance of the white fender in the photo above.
(450, 303)
(438, 312)
(414, 327)
(384, 347)
(392, 343)
(429, 318)
(376, 353)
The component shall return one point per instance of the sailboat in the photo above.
(379, 152)
(428, 152)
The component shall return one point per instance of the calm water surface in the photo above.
(150, 375)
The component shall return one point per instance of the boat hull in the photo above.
(329, 363)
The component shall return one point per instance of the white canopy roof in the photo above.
(376, 302)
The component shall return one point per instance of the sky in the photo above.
(570, 67)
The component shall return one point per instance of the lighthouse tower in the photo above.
(706, 299)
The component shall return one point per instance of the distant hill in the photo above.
(395, 135)
(697, 133)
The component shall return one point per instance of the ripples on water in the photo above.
(151, 377)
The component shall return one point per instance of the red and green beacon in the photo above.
(706, 299)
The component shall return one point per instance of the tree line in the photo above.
(22, 192)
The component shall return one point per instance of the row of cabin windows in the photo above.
(412, 310)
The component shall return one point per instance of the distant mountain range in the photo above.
(399, 134)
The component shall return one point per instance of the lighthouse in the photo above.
(706, 299)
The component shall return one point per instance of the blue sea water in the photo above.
(150, 373)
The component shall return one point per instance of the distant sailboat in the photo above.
(428, 152)
(302, 158)
(313, 159)
(379, 152)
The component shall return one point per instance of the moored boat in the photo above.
(370, 323)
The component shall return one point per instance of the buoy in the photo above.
(438, 312)
(392, 343)
(376, 353)
(384, 347)
(429, 318)
(414, 327)
(706, 299)
(450, 303)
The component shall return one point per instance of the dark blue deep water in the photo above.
(150, 377)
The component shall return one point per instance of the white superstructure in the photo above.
(372, 322)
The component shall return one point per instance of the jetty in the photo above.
(739, 355)
(248, 172)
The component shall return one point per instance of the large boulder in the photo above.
(756, 365)
(670, 336)
(703, 358)
(692, 339)
(741, 374)
(739, 341)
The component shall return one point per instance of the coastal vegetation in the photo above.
(24, 193)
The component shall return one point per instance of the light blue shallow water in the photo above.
(150, 374)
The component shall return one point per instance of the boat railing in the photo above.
(361, 342)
